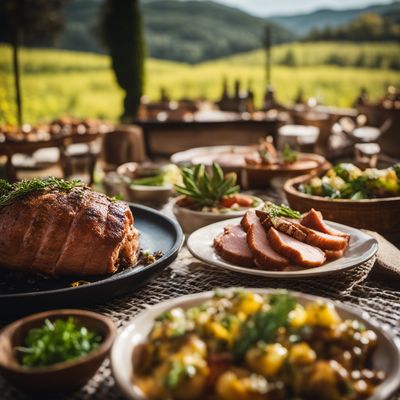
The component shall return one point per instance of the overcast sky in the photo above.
(289, 7)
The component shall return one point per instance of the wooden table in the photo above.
(162, 139)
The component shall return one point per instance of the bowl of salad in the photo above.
(368, 199)
(148, 183)
(208, 197)
(54, 351)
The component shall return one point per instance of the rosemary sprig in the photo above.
(9, 192)
(207, 189)
(280, 211)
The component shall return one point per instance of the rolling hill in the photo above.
(172, 32)
(304, 23)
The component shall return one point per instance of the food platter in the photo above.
(386, 357)
(22, 293)
(361, 248)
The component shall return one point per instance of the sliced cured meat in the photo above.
(300, 253)
(232, 246)
(313, 219)
(322, 240)
(265, 256)
(333, 254)
(304, 234)
(249, 219)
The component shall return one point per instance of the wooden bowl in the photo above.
(380, 215)
(258, 177)
(63, 376)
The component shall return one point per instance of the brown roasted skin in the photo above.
(79, 232)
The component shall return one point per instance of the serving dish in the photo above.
(361, 248)
(380, 214)
(259, 176)
(226, 156)
(151, 193)
(386, 356)
(24, 293)
(190, 220)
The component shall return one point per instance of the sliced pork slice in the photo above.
(333, 254)
(232, 246)
(265, 256)
(300, 232)
(300, 253)
(322, 240)
(249, 219)
(313, 219)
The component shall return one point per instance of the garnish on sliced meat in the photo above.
(300, 253)
(232, 246)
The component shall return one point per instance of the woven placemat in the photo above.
(186, 275)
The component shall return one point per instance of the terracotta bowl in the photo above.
(381, 215)
(64, 376)
(258, 177)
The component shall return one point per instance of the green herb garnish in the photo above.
(280, 211)
(156, 180)
(289, 155)
(264, 324)
(206, 190)
(10, 192)
(57, 341)
(177, 373)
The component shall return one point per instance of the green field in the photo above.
(59, 82)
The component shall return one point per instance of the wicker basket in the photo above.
(380, 215)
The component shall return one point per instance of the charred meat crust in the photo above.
(80, 232)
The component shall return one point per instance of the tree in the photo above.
(122, 33)
(24, 20)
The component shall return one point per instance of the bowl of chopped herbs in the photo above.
(56, 350)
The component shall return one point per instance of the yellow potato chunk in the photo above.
(232, 385)
(266, 360)
(249, 303)
(301, 354)
(298, 316)
(322, 314)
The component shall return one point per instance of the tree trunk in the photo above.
(15, 48)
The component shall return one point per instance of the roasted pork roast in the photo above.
(76, 232)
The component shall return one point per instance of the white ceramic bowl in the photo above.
(191, 220)
(143, 194)
(386, 356)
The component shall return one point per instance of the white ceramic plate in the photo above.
(386, 356)
(361, 248)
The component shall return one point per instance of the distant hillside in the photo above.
(190, 31)
(194, 31)
(304, 23)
